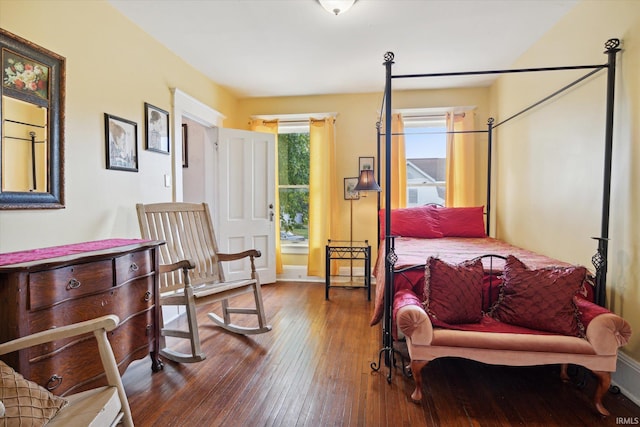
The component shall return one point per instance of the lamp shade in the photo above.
(367, 182)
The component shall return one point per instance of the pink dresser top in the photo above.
(64, 250)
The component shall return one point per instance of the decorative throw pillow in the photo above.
(25, 402)
(461, 222)
(453, 293)
(540, 299)
(412, 222)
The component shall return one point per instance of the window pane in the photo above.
(293, 159)
(294, 214)
(426, 151)
(293, 181)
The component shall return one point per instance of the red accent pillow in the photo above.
(453, 293)
(461, 222)
(540, 299)
(412, 222)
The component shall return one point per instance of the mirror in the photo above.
(32, 125)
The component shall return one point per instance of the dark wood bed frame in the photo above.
(599, 259)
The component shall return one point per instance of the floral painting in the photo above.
(25, 75)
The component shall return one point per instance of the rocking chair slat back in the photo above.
(189, 235)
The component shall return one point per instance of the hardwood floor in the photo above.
(313, 369)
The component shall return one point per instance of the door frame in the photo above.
(185, 105)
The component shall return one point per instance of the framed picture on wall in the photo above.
(185, 146)
(157, 129)
(349, 185)
(365, 163)
(121, 137)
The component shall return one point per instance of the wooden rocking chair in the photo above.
(191, 247)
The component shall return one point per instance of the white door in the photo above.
(246, 215)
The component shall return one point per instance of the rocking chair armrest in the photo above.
(253, 253)
(185, 264)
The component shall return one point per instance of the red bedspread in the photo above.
(414, 251)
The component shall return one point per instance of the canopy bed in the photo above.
(400, 255)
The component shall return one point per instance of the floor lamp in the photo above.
(366, 182)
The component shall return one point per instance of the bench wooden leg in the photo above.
(416, 372)
(604, 381)
(564, 375)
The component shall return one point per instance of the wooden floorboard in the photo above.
(314, 369)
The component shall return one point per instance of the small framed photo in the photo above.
(121, 137)
(349, 185)
(185, 146)
(365, 163)
(157, 129)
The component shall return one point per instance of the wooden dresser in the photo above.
(51, 287)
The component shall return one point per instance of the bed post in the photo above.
(387, 339)
(601, 257)
(489, 151)
(378, 173)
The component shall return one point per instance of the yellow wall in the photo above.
(550, 162)
(112, 67)
(356, 135)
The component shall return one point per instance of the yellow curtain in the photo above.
(461, 152)
(271, 126)
(323, 192)
(398, 165)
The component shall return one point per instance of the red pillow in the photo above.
(453, 293)
(540, 299)
(412, 222)
(461, 222)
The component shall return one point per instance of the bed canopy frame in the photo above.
(599, 259)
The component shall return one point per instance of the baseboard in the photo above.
(627, 377)
(171, 313)
(297, 273)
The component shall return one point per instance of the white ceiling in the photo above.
(294, 47)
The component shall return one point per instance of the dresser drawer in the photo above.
(70, 367)
(135, 297)
(53, 286)
(135, 264)
(69, 312)
(134, 339)
(73, 367)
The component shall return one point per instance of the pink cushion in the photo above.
(412, 222)
(453, 293)
(461, 222)
(540, 299)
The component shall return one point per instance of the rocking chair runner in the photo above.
(191, 247)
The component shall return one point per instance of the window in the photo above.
(426, 153)
(293, 184)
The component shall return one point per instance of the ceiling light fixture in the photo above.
(336, 7)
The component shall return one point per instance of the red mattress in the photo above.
(415, 251)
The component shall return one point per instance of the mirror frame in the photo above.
(54, 197)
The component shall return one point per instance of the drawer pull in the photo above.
(147, 296)
(54, 382)
(133, 267)
(73, 284)
(148, 330)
